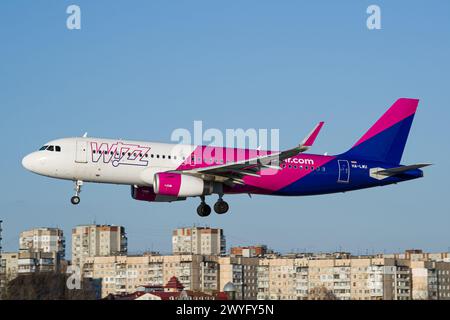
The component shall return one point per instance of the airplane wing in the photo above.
(235, 171)
(398, 170)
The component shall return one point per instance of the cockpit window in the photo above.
(50, 148)
(57, 148)
(43, 148)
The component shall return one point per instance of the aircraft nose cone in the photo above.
(27, 162)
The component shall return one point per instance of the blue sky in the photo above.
(141, 69)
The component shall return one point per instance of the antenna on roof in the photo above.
(85, 135)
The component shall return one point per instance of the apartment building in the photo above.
(123, 274)
(430, 280)
(359, 278)
(249, 251)
(198, 240)
(242, 272)
(276, 279)
(45, 240)
(200, 273)
(97, 240)
(38, 261)
(9, 263)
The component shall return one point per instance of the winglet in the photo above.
(311, 137)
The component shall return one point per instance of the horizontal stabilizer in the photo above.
(398, 170)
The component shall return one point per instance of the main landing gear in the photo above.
(76, 198)
(203, 210)
(220, 207)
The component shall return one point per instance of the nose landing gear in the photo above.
(76, 198)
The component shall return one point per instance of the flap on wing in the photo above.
(236, 170)
(398, 170)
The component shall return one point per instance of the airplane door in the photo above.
(344, 171)
(81, 152)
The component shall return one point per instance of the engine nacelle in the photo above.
(180, 185)
(147, 194)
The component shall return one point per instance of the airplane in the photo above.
(161, 172)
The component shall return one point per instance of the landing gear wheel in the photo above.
(203, 210)
(221, 207)
(75, 200)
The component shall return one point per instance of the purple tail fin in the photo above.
(386, 139)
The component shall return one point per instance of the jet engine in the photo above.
(148, 194)
(181, 185)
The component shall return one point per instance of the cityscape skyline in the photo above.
(199, 263)
(141, 71)
(138, 249)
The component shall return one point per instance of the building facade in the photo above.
(97, 240)
(199, 273)
(355, 278)
(38, 261)
(45, 240)
(198, 240)
(9, 264)
(249, 251)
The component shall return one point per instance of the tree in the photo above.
(46, 286)
(321, 293)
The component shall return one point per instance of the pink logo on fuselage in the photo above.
(120, 153)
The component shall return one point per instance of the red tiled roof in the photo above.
(221, 296)
(174, 283)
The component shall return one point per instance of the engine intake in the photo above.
(181, 185)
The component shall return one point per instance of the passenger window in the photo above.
(300, 167)
(58, 149)
(312, 168)
(157, 156)
(50, 148)
(163, 156)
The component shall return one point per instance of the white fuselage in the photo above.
(106, 160)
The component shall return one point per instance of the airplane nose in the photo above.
(27, 162)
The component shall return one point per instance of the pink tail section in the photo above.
(400, 110)
(386, 139)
